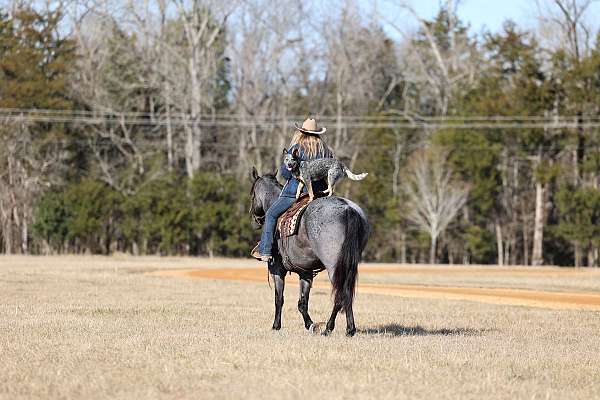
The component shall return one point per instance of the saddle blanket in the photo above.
(289, 222)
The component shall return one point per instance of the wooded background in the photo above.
(132, 126)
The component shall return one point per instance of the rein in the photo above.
(259, 219)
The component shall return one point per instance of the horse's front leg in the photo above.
(279, 280)
(305, 285)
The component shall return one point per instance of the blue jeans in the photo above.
(268, 233)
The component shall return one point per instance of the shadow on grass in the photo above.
(400, 330)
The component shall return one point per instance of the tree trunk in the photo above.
(537, 257)
(403, 247)
(593, 256)
(577, 254)
(196, 106)
(525, 244)
(196, 155)
(338, 127)
(499, 243)
(189, 148)
(169, 140)
(8, 237)
(397, 155)
(432, 258)
(25, 233)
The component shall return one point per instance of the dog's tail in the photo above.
(358, 177)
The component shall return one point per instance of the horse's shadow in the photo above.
(400, 330)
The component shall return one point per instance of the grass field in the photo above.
(96, 327)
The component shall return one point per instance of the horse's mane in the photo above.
(273, 179)
(269, 178)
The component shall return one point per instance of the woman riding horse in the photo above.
(307, 139)
(331, 235)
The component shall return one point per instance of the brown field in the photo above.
(125, 327)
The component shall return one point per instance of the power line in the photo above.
(271, 122)
(230, 116)
(159, 145)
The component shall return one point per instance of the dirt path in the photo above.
(531, 298)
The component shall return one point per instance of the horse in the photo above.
(332, 235)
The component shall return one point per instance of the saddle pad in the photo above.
(289, 221)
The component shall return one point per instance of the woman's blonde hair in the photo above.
(312, 145)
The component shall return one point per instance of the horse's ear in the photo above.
(254, 173)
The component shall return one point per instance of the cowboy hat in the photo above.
(310, 127)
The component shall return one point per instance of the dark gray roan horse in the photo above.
(332, 234)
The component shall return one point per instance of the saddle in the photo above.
(289, 222)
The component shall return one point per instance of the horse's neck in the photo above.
(271, 196)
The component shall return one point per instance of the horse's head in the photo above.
(265, 190)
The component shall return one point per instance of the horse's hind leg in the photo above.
(279, 280)
(331, 323)
(305, 285)
(350, 327)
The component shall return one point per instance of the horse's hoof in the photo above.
(350, 333)
(276, 328)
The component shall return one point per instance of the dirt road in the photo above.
(494, 295)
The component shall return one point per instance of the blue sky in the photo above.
(479, 14)
(482, 14)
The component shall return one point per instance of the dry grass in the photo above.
(93, 327)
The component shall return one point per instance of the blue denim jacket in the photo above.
(289, 190)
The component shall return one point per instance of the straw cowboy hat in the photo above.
(310, 127)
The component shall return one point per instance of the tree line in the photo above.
(133, 128)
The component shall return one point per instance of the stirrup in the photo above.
(256, 254)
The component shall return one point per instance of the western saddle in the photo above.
(289, 222)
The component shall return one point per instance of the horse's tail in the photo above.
(346, 269)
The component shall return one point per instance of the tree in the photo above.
(200, 46)
(580, 220)
(263, 40)
(441, 60)
(515, 83)
(35, 62)
(475, 159)
(435, 195)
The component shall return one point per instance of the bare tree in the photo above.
(264, 64)
(26, 170)
(435, 196)
(563, 24)
(110, 81)
(361, 67)
(179, 48)
(440, 68)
